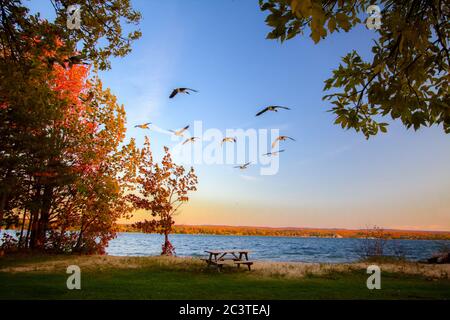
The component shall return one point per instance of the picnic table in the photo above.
(234, 256)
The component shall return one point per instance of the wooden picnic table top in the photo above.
(228, 251)
(217, 258)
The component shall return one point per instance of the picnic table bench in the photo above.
(235, 256)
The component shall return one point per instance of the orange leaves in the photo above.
(162, 188)
(184, 199)
(71, 82)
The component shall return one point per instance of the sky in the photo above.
(328, 177)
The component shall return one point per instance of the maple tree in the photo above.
(71, 168)
(408, 75)
(161, 189)
(65, 172)
(100, 36)
(62, 173)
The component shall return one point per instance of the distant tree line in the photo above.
(299, 232)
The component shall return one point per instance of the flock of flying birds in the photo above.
(79, 59)
(180, 132)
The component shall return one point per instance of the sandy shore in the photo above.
(266, 268)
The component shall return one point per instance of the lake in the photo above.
(329, 250)
(267, 248)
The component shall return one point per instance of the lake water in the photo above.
(267, 248)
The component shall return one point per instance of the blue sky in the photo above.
(328, 177)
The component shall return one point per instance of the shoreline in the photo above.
(53, 262)
(391, 234)
(287, 236)
(388, 234)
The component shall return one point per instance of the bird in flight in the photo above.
(179, 132)
(271, 108)
(228, 139)
(275, 153)
(181, 90)
(143, 126)
(77, 59)
(244, 166)
(88, 97)
(190, 140)
(281, 138)
(52, 60)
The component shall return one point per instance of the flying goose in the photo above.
(271, 108)
(88, 97)
(275, 153)
(281, 138)
(190, 140)
(181, 90)
(228, 139)
(77, 59)
(179, 132)
(143, 126)
(244, 166)
(52, 60)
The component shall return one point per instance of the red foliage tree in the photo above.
(71, 165)
(161, 189)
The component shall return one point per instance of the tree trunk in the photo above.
(4, 195)
(2, 207)
(166, 237)
(167, 248)
(34, 216)
(45, 216)
(27, 237)
(22, 228)
(77, 247)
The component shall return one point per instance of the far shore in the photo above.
(219, 230)
(299, 232)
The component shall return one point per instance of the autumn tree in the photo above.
(29, 48)
(62, 173)
(161, 189)
(100, 36)
(72, 169)
(407, 78)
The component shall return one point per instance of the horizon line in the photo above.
(302, 228)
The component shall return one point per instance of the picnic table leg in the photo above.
(221, 257)
(240, 258)
(217, 259)
(246, 258)
(210, 259)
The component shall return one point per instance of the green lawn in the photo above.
(45, 277)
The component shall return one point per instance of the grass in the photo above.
(105, 277)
